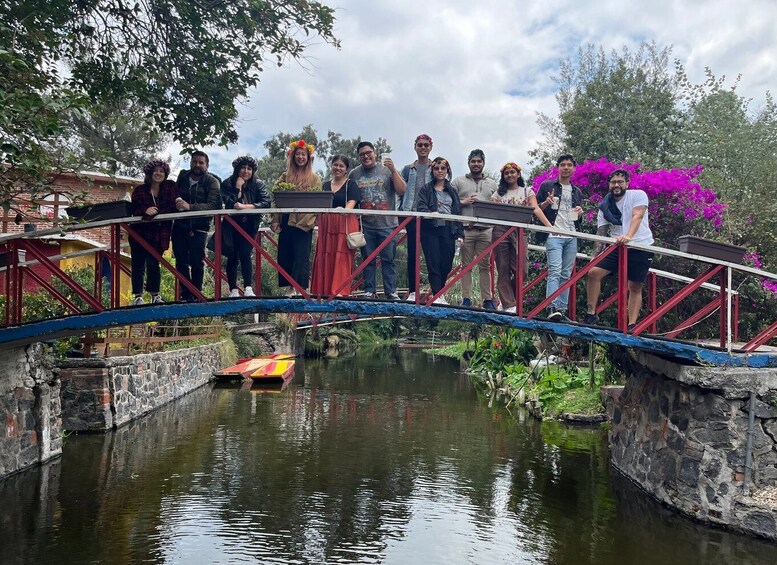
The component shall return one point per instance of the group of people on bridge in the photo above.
(425, 185)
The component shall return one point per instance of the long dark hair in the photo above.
(502, 190)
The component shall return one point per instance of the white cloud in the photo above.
(474, 74)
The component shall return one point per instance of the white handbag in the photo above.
(355, 239)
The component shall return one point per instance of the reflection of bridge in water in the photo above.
(708, 284)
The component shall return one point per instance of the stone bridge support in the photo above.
(681, 433)
(38, 400)
(30, 422)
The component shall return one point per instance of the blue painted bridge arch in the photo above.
(79, 323)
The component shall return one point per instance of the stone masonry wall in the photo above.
(100, 394)
(681, 434)
(30, 424)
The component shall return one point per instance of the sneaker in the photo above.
(555, 315)
(591, 319)
(631, 327)
(410, 297)
(156, 299)
(392, 296)
(466, 302)
(510, 310)
(234, 293)
(489, 305)
(440, 300)
(137, 301)
(248, 291)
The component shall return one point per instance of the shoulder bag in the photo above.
(355, 239)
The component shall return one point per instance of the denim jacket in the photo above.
(407, 202)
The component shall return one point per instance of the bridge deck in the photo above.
(684, 351)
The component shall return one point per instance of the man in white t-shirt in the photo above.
(623, 214)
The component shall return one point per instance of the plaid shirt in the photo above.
(157, 234)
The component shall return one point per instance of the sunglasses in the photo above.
(423, 144)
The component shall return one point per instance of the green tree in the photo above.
(186, 64)
(737, 148)
(115, 138)
(621, 106)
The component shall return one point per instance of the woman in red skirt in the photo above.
(333, 263)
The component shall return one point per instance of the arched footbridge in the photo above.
(692, 310)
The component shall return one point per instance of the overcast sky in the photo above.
(475, 74)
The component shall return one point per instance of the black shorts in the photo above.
(638, 264)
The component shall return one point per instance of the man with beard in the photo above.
(199, 190)
(623, 214)
(477, 237)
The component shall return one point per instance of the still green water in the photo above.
(390, 457)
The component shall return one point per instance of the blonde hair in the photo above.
(302, 177)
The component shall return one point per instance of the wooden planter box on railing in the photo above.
(102, 211)
(504, 212)
(712, 249)
(303, 199)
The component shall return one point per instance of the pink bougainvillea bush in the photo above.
(679, 205)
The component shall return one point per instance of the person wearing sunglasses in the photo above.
(438, 235)
(380, 184)
(416, 175)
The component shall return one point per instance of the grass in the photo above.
(455, 351)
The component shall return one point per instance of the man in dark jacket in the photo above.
(198, 190)
(561, 202)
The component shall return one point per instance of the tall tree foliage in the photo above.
(115, 138)
(185, 62)
(620, 106)
(737, 148)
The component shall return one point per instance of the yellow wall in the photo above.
(69, 246)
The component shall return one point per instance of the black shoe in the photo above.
(630, 327)
(591, 319)
(559, 316)
(489, 305)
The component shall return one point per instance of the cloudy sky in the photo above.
(475, 74)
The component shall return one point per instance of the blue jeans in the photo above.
(561, 253)
(374, 237)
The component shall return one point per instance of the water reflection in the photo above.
(389, 459)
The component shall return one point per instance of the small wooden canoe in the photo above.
(245, 368)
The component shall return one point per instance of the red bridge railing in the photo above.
(663, 315)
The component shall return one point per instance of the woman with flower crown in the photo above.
(243, 191)
(155, 196)
(512, 191)
(295, 231)
(438, 237)
(333, 263)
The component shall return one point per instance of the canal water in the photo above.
(390, 457)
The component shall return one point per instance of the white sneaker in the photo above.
(248, 291)
(234, 293)
(137, 301)
(510, 310)
(410, 297)
(441, 301)
(157, 299)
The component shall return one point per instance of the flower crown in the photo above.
(149, 167)
(294, 145)
(510, 166)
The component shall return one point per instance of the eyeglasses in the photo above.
(617, 181)
(365, 153)
(423, 144)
